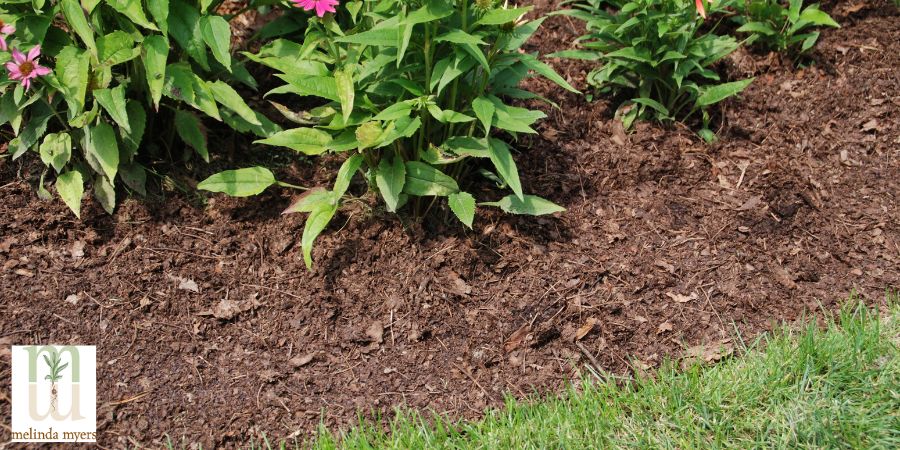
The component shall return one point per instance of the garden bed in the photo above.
(209, 327)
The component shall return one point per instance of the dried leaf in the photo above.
(668, 267)
(516, 339)
(302, 360)
(585, 329)
(664, 327)
(708, 353)
(783, 277)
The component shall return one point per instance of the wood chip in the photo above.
(682, 298)
(664, 327)
(516, 339)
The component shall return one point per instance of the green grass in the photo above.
(835, 385)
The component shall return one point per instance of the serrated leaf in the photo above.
(192, 132)
(424, 180)
(484, 109)
(155, 54)
(216, 33)
(390, 178)
(70, 187)
(345, 91)
(184, 27)
(113, 101)
(101, 144)
(134, 11)
(134, 176)
(72, 66)
(76, 19)
(463, 206)
(105, 194)
(55, 150)
(239, 183)
(531, 205)
(159, 9)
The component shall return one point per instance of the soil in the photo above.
(210, 329)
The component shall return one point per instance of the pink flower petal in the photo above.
(18, 57)
(34, 52)
(3, 45)
(41, 70)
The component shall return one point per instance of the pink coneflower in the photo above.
(5, 30)
(321, 6)
(26, 68)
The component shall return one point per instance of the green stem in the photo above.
(292, 186)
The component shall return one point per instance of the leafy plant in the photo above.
(54, 376)
(658, 54)
(118, 75)
(412, 92)
(780, 25)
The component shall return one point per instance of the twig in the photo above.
(469, 374)
(589, 356)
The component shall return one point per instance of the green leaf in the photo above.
(757, 27)
(70, 186)
(76, 19)
(424, 180)
(216, 33)
(192, 132)
(546, 71)
(447, 116)
(310, 200)
(345, 174)
(390, 178)
(431, 11)
(506, 166)
(155, 53)
(463, 205)
(184, 26)
(105, 193)
(134, 176)
(228, 97)
(325, 87)
(116, 48)
(345, 90)
(55, 150)
(72, 66)
(137, 119)
(317, 221)
(113, 101)
(500, 16)
(484, 109)
(531, 205)
(719, 92)
(159, 9)
(818, 17)
(239, 183)
(134, 11)
(379, 37)
(102, 146)
(459, 37)
(309, 141)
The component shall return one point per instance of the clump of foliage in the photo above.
(412, 93)
(89, 84)
(658, 54)
(782, 26)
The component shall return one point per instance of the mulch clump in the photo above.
(668, 247)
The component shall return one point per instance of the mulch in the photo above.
(669, 247)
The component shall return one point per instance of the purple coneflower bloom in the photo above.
(25, 68)
(5, 30)
(321, 6)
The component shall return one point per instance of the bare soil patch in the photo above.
(667, 244)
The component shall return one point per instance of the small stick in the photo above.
(469, 374)
(589, 356)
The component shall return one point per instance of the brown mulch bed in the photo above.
(667, 244)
